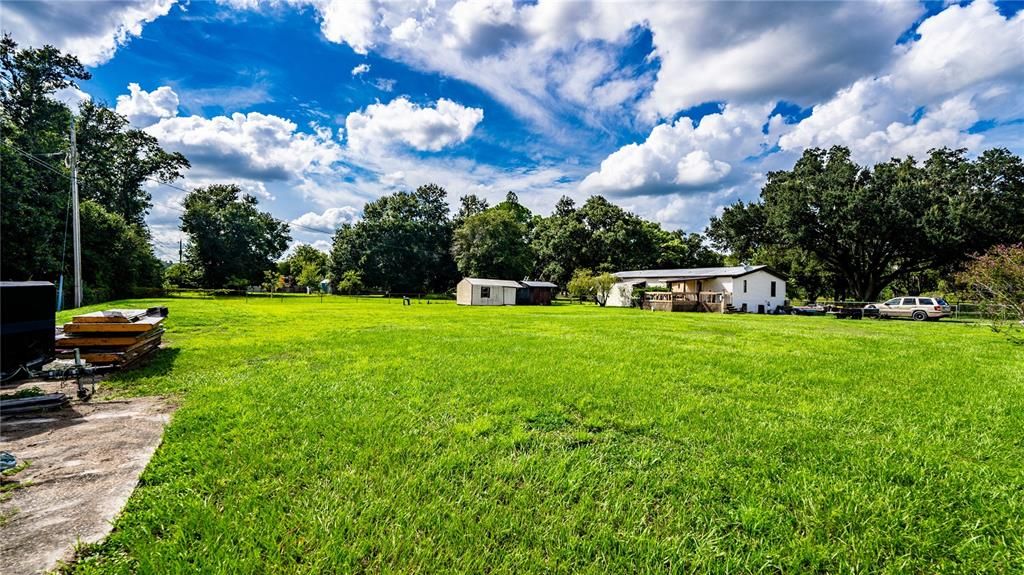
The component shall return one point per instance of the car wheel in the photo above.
(920, 315)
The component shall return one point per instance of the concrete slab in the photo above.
(85, 461)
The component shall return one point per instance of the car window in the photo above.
(909, 301)
(925, 301)
(941, 301)
(893, 301)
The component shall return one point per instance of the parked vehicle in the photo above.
(916, 308)
(807, 310)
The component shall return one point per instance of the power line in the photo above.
(311, 229)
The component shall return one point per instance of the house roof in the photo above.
(693, 273)
(489, 282)
(529, 283)
(684, 279)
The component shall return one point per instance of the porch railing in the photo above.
(689, 301)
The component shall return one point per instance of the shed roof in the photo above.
(529, 283)
(692, 273)
(490, 282)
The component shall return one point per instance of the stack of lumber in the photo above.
(112, 337)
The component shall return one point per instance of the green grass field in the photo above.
(358, 435)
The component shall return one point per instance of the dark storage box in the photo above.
(27, 311)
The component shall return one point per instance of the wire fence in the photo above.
(967, 311)
(390, 297)
(964, 310)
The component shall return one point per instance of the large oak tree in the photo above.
(868, 227)
(230, 241)
(402, 244)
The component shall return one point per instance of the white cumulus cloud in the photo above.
(253, 146)
(967, 65)
(680, 156)
(144, 108)
(521, 52)
(960, 47)
(93, 31)
(330, 219)
(360, 69)
(402, 122)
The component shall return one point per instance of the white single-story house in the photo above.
(478, 291)
(753, 289)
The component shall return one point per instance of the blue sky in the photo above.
(673, 110)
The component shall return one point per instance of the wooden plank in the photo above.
(111, 316)
(142, 326)
(68, 353)
(112, 357)
(127, 341)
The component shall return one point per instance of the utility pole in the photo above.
(179, 250)
(76, 231)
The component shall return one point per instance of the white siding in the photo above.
(464, 293)
(717, 284)
(467, 293)
(758, 291)
(510, 295)
(620, 294)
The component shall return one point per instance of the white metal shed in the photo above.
(479, 291)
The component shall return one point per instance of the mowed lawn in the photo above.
(360, 435)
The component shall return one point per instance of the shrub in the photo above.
(581, 285)
(350, 283)
(996, 279)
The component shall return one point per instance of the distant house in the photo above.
(478, 291)
(752, 289)
(535, 293)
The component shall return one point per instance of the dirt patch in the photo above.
(84, 463)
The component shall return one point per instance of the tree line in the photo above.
(408, 242)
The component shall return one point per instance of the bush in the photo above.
(603, 287)
(350, 283)
(996, 279)
(180, 276)
(581, 286)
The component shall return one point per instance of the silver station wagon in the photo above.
(916, 308)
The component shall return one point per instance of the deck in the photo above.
(706, 301)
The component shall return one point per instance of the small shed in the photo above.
(536, 293)
(480, 291)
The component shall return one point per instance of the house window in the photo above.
(485, 292)
(744, 286)
(773, 289)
